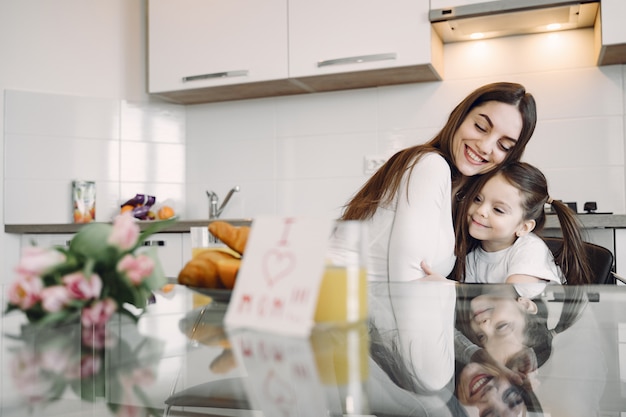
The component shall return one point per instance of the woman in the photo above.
(408, 202)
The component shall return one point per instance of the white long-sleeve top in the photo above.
(416, 226)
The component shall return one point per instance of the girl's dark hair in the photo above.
(537, 335)
(383, 185)
(530, 181)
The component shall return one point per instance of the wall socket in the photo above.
(371, 163)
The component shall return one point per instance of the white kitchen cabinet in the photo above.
(203, 47)
(354, 43)
(169, 247)
(610, 33)
(620, 253)
(204, 51)
(46, 240)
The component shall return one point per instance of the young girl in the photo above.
(496, 232)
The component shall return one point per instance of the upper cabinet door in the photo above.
(195, 44)
(611, 42)
(331, 37)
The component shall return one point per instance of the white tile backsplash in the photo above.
(232, 121)
(315, 197)
(303, 154)
(157, 122)
(125, 147)
(325, 113)
(578, 143)
(34, 157)
(152, 162)
(54, 115)
(329, 156)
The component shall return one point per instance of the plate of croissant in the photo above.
(217, 295)
(213, 272)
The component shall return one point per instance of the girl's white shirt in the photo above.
(529, 255)
(417, 226)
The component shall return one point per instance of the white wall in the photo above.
(304, 154)
(290, 155)
(91, 49)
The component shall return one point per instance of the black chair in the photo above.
(601, 259)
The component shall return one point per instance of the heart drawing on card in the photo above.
(278, 264)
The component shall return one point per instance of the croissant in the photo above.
(227, 270)
(202, 270)
(235, 237)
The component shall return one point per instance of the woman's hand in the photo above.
(431, 275)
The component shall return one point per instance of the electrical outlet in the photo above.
(371, 163)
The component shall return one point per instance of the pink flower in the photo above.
(55, 360)
(27, 377)
(125, 231)
(25, 291)
(136, 269)
(81, 288)
(54, 298)
(36, 260)
(98, 337)
(98, 313)
(90, 365)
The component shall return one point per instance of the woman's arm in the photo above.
(422, 229)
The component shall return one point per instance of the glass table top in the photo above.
(427, 349)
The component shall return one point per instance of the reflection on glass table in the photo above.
(179, 360)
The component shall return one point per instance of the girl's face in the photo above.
(499, 323)
(492, 394)
(496, 216)
(485, 137)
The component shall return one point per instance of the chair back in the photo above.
(600, 258)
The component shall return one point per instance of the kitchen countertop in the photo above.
(178, 227)
(616, 221)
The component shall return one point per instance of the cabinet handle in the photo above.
(154, 243)
(357, 59)
(239, 73)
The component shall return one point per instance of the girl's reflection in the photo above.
(496, 318)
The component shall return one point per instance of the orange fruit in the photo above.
(126, 208)
(165, 212)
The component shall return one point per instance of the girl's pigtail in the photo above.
(572, 257)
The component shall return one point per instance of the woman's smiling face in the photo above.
(485, 137)
(492, 394)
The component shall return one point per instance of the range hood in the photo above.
(511, 17)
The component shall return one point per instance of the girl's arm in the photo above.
(524, 279)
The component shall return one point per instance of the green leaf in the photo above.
(91, 242)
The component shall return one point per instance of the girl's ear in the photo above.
(528, 305)
(525, 228)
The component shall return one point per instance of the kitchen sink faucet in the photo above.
(214, 212)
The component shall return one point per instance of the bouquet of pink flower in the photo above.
(105, 267)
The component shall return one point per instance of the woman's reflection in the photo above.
(484, 389)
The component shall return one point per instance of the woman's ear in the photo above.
(528, 305)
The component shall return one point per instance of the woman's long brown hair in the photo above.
(571, 258)
(381, 188)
